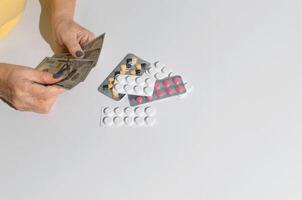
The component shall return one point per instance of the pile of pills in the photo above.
(143, 84)
(128, 116)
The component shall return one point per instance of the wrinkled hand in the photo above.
(24, 88)
(71, 36)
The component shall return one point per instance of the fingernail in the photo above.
(79, 53)
(57, 75)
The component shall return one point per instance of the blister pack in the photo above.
(130, 65)
(127, 116)
(134, 85)
(163, 89)
(160, 71)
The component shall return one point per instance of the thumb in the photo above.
(74, 47)
(44, 78)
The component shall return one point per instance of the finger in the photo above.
(44, 78)
(42, 106)
(74, 47)
(45, 92)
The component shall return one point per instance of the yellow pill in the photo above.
(123, 67)
(134, 60)
(110, 80)
(133, 72)
(138, 66)
(110, 85)
(115, 94)
(122, 72)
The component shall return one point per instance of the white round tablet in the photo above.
(139, 80)
(107, 121)
(149, 120)
(139, 111)
(150, 111)
(129, 111)
(118, 87)
(151, 71)
(189, 87)
(118, 121)
(159, 65)
(171, 74)
(139, 121)
(127, 88)
(159, 75)
(130, 79)
(138, 89)
(166, 70)
(107, 111)
(128, 121)
(119, 78)
(149, 81)
(118, 111)
(148, 90)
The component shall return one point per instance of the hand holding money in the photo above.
(73, 70)
(24, 88)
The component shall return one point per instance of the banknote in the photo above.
(71, 71)
(97, 43)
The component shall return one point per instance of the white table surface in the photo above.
(238, 136)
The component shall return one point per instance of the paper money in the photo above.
(95, 44)
(73, 70)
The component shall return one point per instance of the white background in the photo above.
(238, 136)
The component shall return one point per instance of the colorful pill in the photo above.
(180, 88)
(157, 86)
(134, 60)
(149, 98)
(115, 94)
(139, 99)
(159, 93)
(138, 66)
(129, 60)
(110, 80)
(144, 65)
(166, 83)
(133, 72)
(110, 85)
(123, 67)
(138, 71)
(170, 91)
(176, 80)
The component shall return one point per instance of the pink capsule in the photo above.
(170, 91)
(157, 86)
(159, 93)
(139, 99)
(166, 83)
(180, 88)
(149, 98)
(176, 80)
